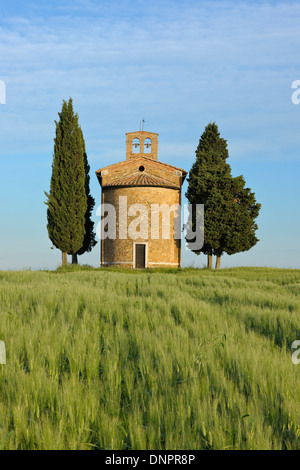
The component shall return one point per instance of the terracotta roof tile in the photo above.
(141, 179)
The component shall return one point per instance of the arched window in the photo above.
(147, 145)
(136, 145)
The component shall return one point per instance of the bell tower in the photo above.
(141, 144)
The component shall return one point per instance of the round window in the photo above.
(141, 168)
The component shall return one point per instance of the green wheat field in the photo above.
(167, 359)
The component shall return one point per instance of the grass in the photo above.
(154, 359)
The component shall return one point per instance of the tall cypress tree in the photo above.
(67, 200)
(229, 208)
(205, 185)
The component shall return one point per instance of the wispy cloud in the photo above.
(177, 64)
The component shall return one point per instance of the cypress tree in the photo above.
(208, 171)
(229, 208)
(67, 200)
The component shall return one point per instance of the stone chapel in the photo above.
(144, 193)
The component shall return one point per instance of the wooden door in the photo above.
(140, 256)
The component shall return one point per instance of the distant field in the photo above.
(188, 359)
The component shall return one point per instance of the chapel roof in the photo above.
(141, 171)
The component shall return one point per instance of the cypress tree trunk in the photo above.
(209, 259)
(218, 261)
(74, 259)
(64, 258)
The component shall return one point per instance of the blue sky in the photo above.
(177, 64)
